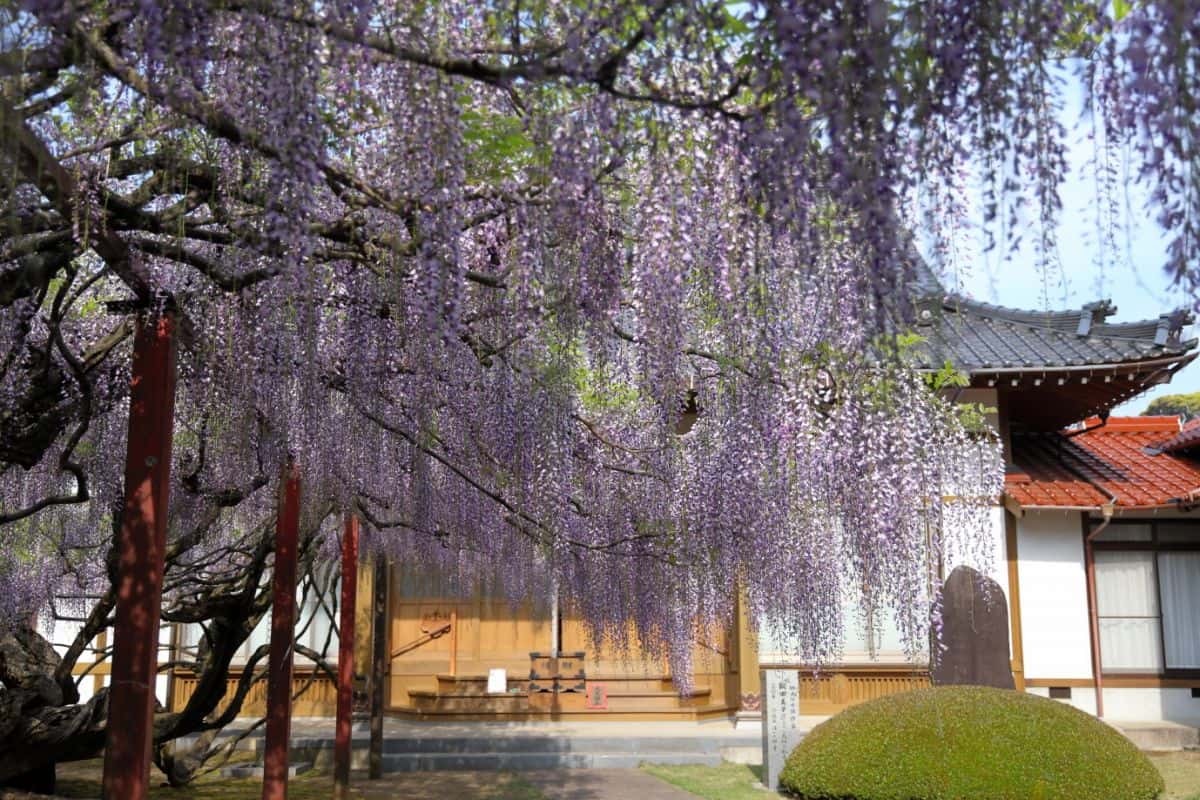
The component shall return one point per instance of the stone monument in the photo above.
(974, 639)
(781, 721)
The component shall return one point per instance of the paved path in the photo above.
(559, 784)
(603, 784)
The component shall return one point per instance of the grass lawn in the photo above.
(82, 780)
(726, 782)
(1181, 771)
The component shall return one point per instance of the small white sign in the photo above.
(497, 681)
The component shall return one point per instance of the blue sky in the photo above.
(1133, 277)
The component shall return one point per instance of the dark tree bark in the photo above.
(42, 721)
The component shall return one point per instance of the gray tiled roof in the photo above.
(980, 337)
(977, 337)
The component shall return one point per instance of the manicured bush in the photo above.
(968, 743)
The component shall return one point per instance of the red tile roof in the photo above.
(1120, 460)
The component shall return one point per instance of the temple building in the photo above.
(1113, 612)
(1107, 546)
(1096, 540)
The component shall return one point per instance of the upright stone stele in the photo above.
(974, 641)
(781, 721)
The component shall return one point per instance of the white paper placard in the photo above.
(497, 681)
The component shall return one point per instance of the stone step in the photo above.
(495, 747)
(743, 754)
(561, 754)
(257, 770)
(518, 761)
(1160, 735)
(525, 743)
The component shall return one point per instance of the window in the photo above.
(1127, 605)
(1179, 582)
(1148, 597)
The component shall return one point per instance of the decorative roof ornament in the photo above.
(1096, 311)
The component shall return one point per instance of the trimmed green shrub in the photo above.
(967, 743)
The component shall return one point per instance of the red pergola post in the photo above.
(140, 549)
(283, 622)
(345, 697)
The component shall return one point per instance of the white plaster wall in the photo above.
(1082, 698)
(1150, 705)
(993, 552)
(1135, 705)
(162, 680)
(1055, 630)
(61, 633)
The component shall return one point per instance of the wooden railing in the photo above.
(317, 694)
(432, 629)
(831, 691)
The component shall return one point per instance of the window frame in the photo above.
(1156, 546)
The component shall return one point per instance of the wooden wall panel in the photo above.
(319, 697)
(492, 633)
(837, 689)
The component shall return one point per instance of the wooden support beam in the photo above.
(345, 696)
(283, 623)
(140, 550)
(749, 699)
(379, 665)
(1014, 600)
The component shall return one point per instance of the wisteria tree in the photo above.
(468, 262)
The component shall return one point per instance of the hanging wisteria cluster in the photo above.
(465, 261)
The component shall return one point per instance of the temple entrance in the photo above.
(445, 644)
